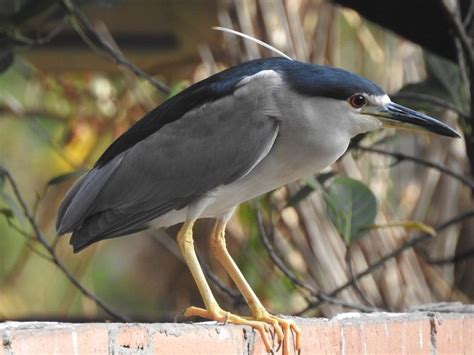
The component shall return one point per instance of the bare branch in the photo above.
(470, 13)
(28, 241)
(30, 114)
(24, 40)
(356, 285)
(393, 254)
(321, 296)
(54, 258)
(465, 55)
(463, 69)
(401, 157)
(459, 31)
(454, 259)
(91, 36)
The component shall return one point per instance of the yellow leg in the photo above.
(283, 327)
(212, 311)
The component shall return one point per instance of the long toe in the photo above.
(284, 329)
(222, 316)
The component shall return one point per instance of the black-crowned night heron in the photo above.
(225, 140)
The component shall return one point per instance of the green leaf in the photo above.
(443, 81)
(7, 213)
(444, 75)
(351, 206)
(64, 177)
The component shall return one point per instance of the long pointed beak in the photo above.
(395, 115)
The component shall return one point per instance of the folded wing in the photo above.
(211, 145)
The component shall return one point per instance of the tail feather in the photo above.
(82, 237)
(80, 200)
(113, 223)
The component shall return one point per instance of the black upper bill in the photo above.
(400, 115)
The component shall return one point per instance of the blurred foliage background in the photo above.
(64, 97)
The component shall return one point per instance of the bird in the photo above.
(227, 139)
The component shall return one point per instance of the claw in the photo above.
(221, 316)
(284, 328)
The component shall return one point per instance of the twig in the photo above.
(28, 240)
(142, 96)
(356, 285)
(21, 39)
(470, 13)
(401, 157)
(465, 55)
(20, 113)
(321, 296)
(54, 258)
(430, 99)
(459, 31)
(407, 245)
(463, 69)
(108, 49)
(454, 259)
(277, 259)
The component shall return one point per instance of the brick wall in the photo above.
(410, 333)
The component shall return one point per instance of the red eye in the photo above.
(357, 101)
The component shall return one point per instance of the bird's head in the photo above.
(359, 101)
(390, 114)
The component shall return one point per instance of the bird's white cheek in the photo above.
(364, 123)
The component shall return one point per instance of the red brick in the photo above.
(41, 341)
(386, 334)
(91, 339)
(374, 333)
(468, 330)
(40, 338)
(198, 339)
(131, 337)
(256, 343)
(454, 333)
(318, 337)
(321, 337)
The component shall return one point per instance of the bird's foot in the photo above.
(222, 316)
(283, 327)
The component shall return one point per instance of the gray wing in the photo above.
(212, 145)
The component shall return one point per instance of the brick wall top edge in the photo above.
(351, 317)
